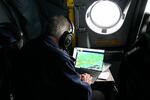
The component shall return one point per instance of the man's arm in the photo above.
(80, 85)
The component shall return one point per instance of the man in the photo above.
(46, 71)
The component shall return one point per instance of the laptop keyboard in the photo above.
(93, 73)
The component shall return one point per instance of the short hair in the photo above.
(57, 25)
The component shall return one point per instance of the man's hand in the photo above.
(86, 78)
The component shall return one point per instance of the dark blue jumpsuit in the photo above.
(46, 72)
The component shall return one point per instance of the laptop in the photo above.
(89, 61)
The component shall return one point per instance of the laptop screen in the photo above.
(89, 58)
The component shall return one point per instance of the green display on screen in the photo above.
(90, 60)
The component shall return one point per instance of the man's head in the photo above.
(59, 27)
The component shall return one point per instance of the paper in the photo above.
(106, 66)
(104, 75)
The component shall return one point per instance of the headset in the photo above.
(66, 39)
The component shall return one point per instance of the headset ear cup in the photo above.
(65, 40)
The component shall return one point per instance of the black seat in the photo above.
(134, 71)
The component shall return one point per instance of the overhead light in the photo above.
(104, 17)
